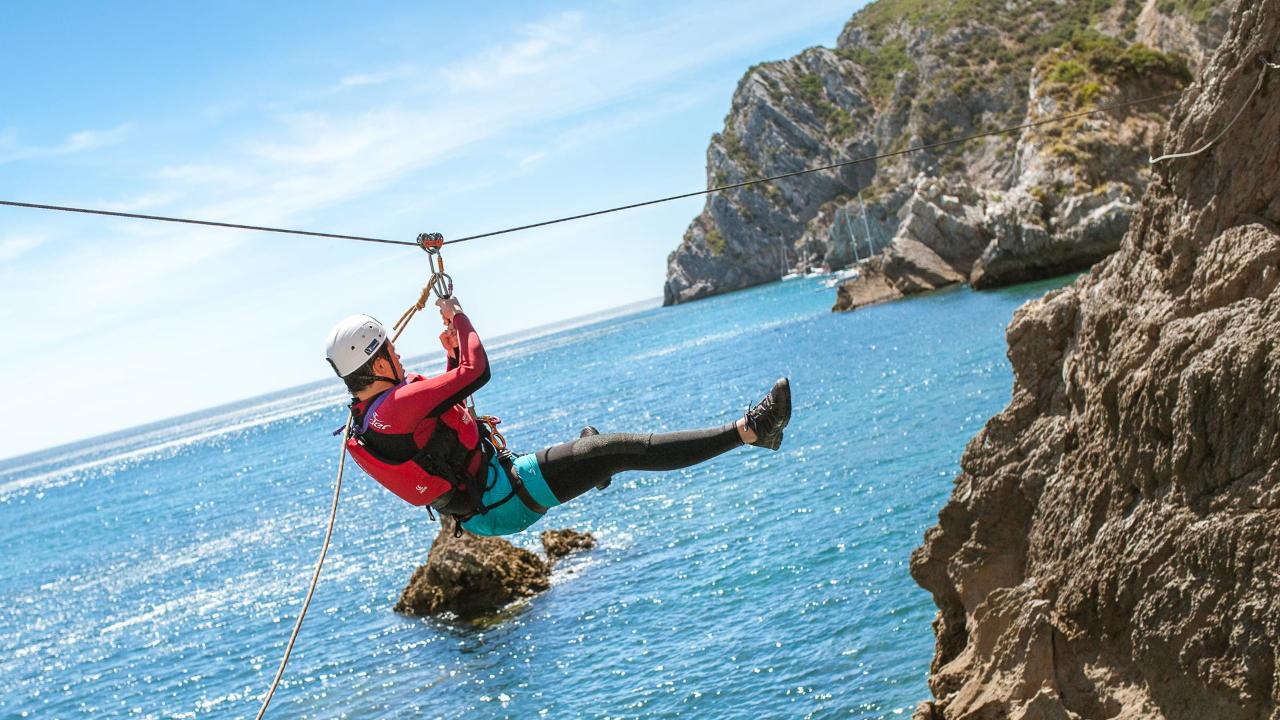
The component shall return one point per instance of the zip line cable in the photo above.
(632, 206)
(188, 221)
(832, 166)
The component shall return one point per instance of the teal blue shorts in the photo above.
(513, 515)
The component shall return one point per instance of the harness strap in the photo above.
(517, 484)
(373, 406)
(440, 461)
(476, 493)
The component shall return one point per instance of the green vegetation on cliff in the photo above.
(715, 241)
(1025, 30)
(882, 65)
(1083, 68)
(1039, 26)
(1197, 11)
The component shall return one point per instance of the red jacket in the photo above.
(404, 420)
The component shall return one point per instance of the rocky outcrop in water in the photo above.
(470, 576)
(1050, 199)
(1112, 545)
(559, 543)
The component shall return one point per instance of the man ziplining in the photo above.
(415, 435)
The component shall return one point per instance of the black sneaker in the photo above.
(588, 431)
(771, 415)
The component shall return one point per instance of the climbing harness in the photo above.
(1266, 64)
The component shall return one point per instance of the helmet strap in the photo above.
(385, 354)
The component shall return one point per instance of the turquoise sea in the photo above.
(157, 573)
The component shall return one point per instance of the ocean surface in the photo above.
(157, 573)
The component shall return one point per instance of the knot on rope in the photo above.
(423, 297)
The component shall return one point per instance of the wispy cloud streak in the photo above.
(83, 141)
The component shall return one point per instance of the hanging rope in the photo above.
(315, 576)
(442, 286)
(720, 188)
(1258, 86)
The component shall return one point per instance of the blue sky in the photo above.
(384, 119)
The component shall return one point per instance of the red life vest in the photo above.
(448, 471)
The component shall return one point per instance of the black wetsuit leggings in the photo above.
(573, 468)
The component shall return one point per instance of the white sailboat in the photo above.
(841, 277)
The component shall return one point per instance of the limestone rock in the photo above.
(1060, 216)
(1051, 199)
(1112, 545)
(472, 576)
(937, 232)
(872, 286)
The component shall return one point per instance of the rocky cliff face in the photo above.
(905, 73)
(1112, 545)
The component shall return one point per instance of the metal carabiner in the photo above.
(440, 283)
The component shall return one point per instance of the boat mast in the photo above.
(852, 238)
(865, 226)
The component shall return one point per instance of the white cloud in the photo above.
(207, 174)
(144, 201)
(373, 78)
(14, 246)
(115, 277)
(565, 65)
(533, 158)
(90, 140)
(545, 45)
(82, 141)
(318, 139)
(556, 68)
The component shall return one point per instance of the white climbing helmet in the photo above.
(352, 342)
